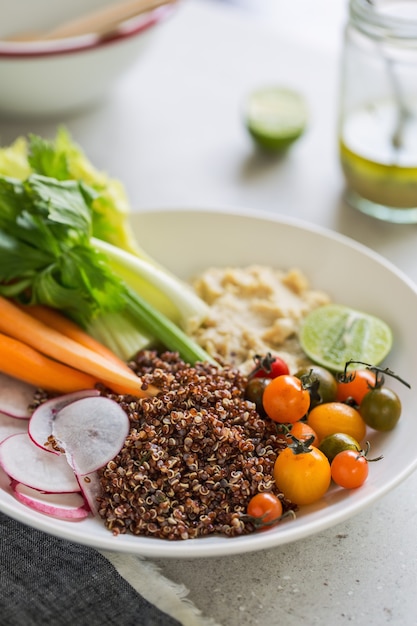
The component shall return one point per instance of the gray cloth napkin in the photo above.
(45, 580)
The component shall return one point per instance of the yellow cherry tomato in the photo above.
(303, 477)
(336, 417)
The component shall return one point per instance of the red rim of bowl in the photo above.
(71, 45)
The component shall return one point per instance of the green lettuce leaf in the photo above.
(62, 159)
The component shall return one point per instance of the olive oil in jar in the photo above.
(378, 109)
(378, 165)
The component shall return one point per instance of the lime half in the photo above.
(275, 117)
(333, 334)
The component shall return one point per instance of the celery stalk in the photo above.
(166, 332)
(165, 292)
(120, 334)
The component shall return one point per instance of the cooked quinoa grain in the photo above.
(195, 454)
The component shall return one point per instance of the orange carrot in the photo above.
(57, 321)
(32, 332)
(23, 362)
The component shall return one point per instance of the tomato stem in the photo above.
(379, 372)
(282, 429)
(301, 447)
(311, 382)
(262, 364)
(366, 452)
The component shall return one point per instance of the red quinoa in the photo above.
(195, 454)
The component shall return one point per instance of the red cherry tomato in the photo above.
(269, 366)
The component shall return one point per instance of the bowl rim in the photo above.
(58, 47)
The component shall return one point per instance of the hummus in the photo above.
(253, 311)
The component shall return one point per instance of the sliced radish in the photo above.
(40, 424)
(11, 426)
(15, 396)
(90, 488)
(67, 506)
(92, 431)
(26, 463)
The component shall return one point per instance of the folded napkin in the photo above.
(45, 580)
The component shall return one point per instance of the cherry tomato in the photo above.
(337, 417)
(265, 508)
(324, 384)
(285, 400)
(349, 469)
(362, 381)
(269, 366)
(303, 477)
(304, 432)
(254, 392)
(381, 409)
(337, 442)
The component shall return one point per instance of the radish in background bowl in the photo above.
(52, 76)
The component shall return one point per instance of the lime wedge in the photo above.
(275, 117)
(333, 334)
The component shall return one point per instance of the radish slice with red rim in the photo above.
(66, 506)
(15, 396)
(40, 424)
(92, 431)
(91, 489)
(26, 463)
(11, 426)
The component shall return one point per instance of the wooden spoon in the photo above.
(101, 22)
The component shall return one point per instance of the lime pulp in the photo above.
(276, 117)
(332, 335)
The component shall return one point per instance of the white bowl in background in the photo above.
(52, 77)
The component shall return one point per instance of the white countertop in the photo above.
(172, 132)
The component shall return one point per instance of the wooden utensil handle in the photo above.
(98, 22)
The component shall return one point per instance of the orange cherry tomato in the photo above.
(363, 381)
(349, 469)
(265, 508)
(303, 432)
(337, 417)
(285, 400)
(303, 477)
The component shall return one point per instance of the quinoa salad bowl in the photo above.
(337, 269)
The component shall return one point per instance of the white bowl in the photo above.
(189, 241)
(43, 78)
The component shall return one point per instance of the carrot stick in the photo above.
(57, 321)
(19, 325)
(23, 362)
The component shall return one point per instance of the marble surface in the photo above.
(172, 131)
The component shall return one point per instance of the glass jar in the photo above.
(378, 109)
